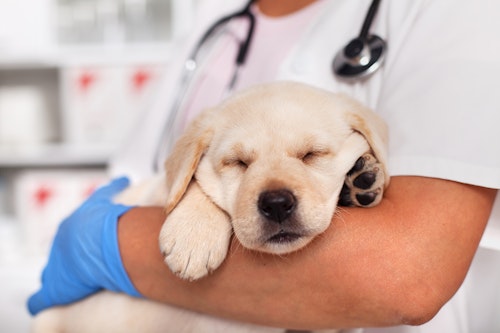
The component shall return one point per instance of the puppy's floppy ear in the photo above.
(187, 152)
(373, 128)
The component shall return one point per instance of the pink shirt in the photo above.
(279, 34)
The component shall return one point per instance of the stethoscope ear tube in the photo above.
(243, 51)
(171, 128)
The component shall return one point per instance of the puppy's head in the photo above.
(274, 158)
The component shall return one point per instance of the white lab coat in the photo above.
(438, 93)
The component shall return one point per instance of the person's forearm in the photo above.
(396, 263)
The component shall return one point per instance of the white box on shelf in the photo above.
(43, 198)
(101, 103)
(24, 116)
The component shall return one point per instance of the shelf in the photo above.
(55, 155)
(120, 54)
(27, 60)
(66, 56)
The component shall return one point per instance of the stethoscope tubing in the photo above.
(370, 16)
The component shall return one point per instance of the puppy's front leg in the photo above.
(195, 236)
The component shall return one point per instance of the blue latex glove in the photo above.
(85, 257)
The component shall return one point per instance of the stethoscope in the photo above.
(360, 58)
(363, 55)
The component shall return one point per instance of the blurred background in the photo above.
(66, 68)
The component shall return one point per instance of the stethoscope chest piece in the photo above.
(360, 58)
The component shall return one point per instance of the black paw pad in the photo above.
(358, 166)
(365, 180)
(366, 198)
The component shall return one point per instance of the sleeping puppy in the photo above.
(270, 165)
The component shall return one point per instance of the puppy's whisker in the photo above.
(281, 257)
(235, 247)
(340, 214)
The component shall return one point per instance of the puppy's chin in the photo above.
(280, 243)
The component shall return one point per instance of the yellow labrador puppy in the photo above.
(270, 165)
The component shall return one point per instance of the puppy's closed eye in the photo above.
(311, 156)
(236, 162)
(237, 157)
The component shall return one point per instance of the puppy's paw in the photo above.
(195, 236)
(364, 183)
(193, 251)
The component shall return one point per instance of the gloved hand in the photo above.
(85, 257)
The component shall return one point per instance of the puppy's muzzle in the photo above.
(277, 205)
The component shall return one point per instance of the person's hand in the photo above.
(85, 257)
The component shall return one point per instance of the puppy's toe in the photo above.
(192, 265)
(365, 180)
(364, 183)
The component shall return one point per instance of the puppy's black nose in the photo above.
(277, 205)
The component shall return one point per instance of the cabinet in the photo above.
(74, 77)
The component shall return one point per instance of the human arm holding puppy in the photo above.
(397, 263)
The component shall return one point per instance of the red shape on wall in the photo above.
(140, 78)
(85, 80)
(42, 194)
